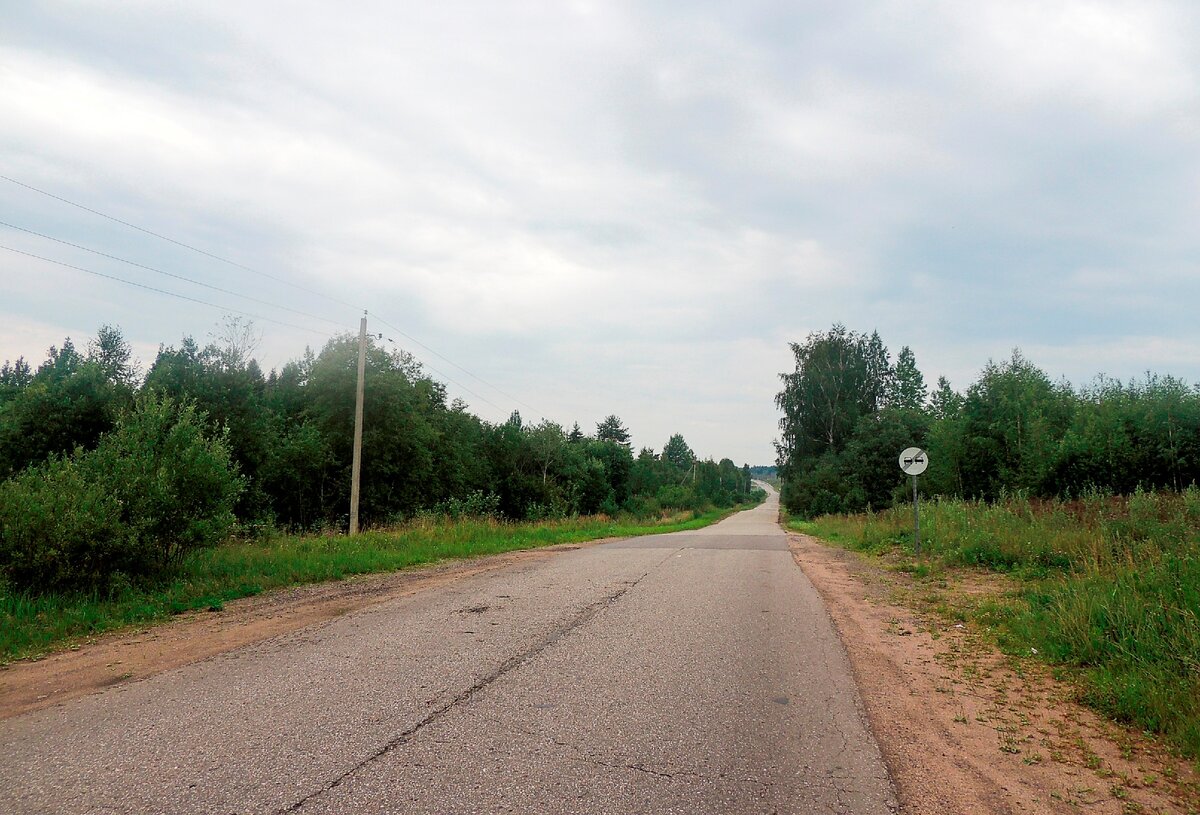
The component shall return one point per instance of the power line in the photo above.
(160, 236)
(234, 263)
(456, 365)
(443, 375)
(163, 291)
(215, 305)
(171, 274)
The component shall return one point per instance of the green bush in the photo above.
(154, 489)
(477, 504)
(60, 528)
(674, 496)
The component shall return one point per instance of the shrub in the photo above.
(642, 507)
(154, 489)
(59, 528)
(674, 496)
(477, 504)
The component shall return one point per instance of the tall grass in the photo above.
(1111, 588)
(31, 625)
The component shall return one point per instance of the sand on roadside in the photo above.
(965, 729)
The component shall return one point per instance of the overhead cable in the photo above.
(455, 364)
(160, 236)
(171, 274)
(163, 291)
(441, 374)
(234, 263)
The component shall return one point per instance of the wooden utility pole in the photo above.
(356, 467)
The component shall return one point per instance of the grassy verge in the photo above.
(31, 626)
(1107, 589)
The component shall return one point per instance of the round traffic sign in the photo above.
(914, 461)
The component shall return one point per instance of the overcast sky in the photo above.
(623, 208)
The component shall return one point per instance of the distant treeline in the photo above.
(849, 410)
(290, 433)
(286, 437)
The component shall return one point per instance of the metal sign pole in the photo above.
(916, 519)
(913, 461)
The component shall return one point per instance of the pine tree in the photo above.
(678, 453)
(907, 387)
(611, 429)
(945, 402)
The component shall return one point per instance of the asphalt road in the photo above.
(687, 673)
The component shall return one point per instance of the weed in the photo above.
(1108, 590)
(1009, 743)
(31, 625)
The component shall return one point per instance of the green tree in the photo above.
(69, 402)
(14, 378)
(945, 402)
(1013, 420)
(114, 356)
(907, 385)
(230, 392)
(612, 430)
(677, 453)
(401, 408)
(840, 377)
(869, 464)
(648, 474)
(547, 442)
(617, 460)
(461, 466)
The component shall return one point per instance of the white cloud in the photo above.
(1124, 60)
(1121, 357)
(625, 208)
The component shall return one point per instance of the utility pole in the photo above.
(356, 467)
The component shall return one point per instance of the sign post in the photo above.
(913, 461)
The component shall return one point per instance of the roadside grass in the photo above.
(31, 626)
(1105, 588)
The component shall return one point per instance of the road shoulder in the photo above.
(128, 656)
(965, 729)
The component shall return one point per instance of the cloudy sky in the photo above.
(623, 208)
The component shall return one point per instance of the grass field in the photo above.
(30, 626)
(1109, 590)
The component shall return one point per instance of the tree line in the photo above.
(286, 439)
(849, 409)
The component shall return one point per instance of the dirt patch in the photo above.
(966, 729)
(125, 656)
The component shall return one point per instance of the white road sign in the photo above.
(914, 461)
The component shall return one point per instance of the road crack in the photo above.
(581, 618)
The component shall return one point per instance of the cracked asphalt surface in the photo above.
(695, 672)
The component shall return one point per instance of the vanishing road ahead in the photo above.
(689, 673)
